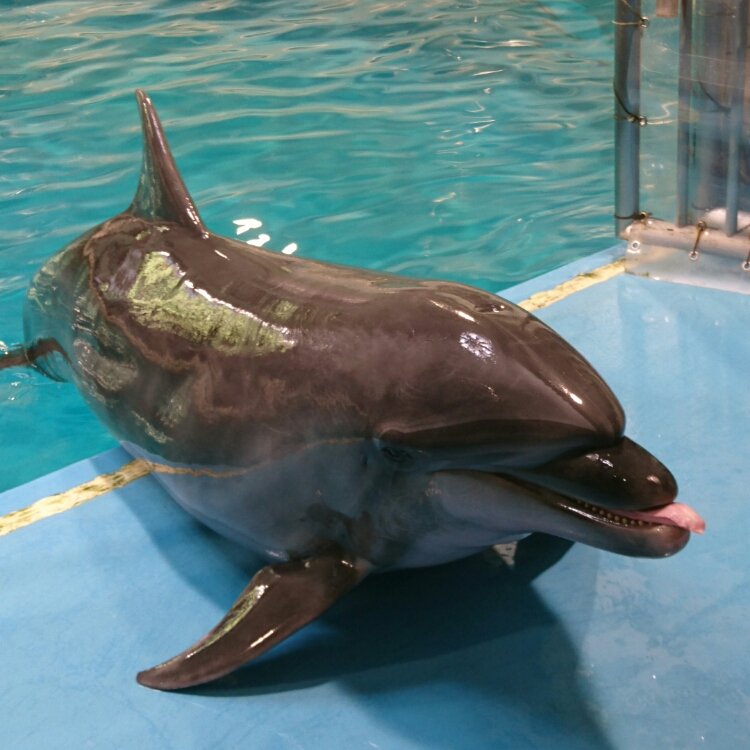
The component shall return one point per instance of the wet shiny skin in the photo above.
(202, 351)
(385, 420)
(342, 389)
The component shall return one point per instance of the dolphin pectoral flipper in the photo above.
(278, 601)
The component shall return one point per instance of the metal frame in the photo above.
(714, 116)
(629, 24)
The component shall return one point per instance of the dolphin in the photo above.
(335, 420)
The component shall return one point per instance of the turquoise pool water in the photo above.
(462, 140)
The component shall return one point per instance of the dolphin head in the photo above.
(518, 430)
(480, 383)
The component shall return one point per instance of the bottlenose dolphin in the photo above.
(335, 420)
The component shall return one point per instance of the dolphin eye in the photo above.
(396, 455)
(490, 307)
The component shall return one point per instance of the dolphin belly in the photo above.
(331, 492)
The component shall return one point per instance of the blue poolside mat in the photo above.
(571, 648)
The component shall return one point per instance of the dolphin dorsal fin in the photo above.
(161, 193)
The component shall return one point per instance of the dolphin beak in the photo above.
(620, 499)
(624, 476)
(655, 532)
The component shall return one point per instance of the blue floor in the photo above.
(571, 648)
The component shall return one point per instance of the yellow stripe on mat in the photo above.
(72, 498)
(571, 286)
(101, 485)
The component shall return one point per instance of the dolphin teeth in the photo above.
(671, 514)
(608, 515)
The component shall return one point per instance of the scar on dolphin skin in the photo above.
(104, 483)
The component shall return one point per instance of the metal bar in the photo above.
(713, 45)
(656, 233)
(627, 86)
(684, 89)
(736, 112)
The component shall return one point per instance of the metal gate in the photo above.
(706, 240)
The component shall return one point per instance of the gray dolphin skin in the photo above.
(337, 421)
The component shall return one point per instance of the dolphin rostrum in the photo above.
(335, 420)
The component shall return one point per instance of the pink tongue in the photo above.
(674, 514)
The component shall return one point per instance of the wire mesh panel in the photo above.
(681, 88)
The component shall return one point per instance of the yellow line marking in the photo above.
(571, 286)
(101, 485)
(72, 498)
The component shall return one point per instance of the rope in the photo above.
(637, 216)
(642, 21)
(701, 227)
(641, 120)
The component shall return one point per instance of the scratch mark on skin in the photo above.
(141, 467)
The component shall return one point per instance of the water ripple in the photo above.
(466, 140)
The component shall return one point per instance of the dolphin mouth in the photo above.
(675, 514)
(657, 531)
(620, 498)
